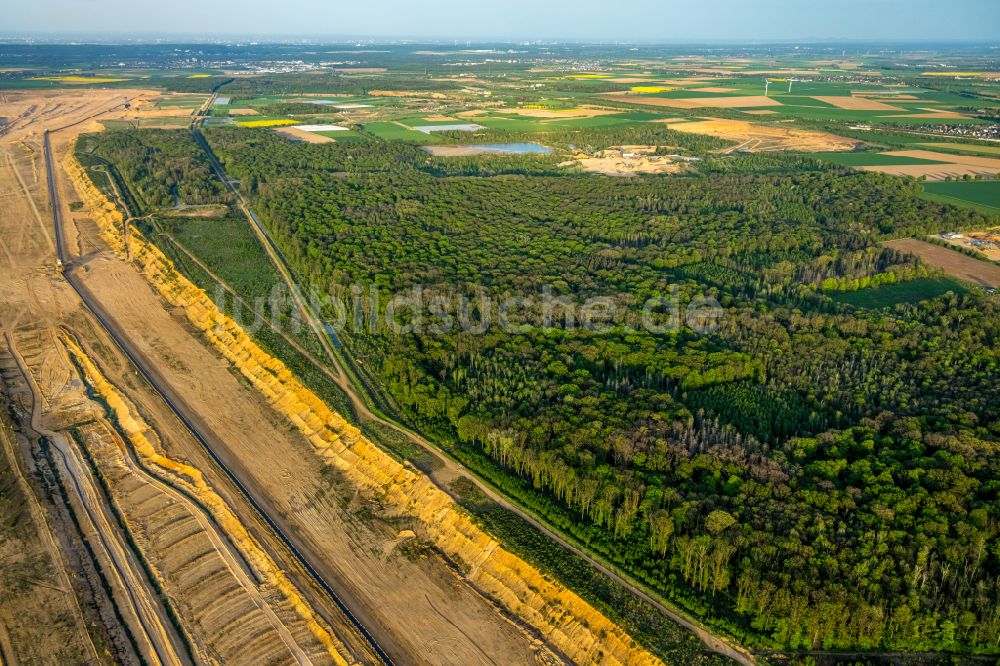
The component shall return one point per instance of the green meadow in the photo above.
(982, 195)
(890, 295)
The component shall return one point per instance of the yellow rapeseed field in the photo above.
(651, 89)
(266, 122)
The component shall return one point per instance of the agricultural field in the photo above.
(936, 165)
(809, 99)
(919, 163)
(952, 262)
(965, 148)
(257, 121)
(981, 195)
(872, 159)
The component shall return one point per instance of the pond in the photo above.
(493, 148)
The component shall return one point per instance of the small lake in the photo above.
(493, 148)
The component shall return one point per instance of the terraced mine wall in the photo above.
(567, 622)
(143, 440)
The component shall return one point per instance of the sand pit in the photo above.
(625, 168)
(754, 138)
(856, 103)
(302, 135)
(985, 242)
(951, 262)
(731, 102)
(627, 161)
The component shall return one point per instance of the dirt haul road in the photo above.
(188, 581)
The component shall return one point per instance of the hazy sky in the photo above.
(626, 20)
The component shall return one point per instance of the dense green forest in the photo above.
(803, 474)
(160, 170)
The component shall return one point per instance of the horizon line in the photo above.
(71, 38)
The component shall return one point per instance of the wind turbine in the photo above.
(790, 81)
(767, 84)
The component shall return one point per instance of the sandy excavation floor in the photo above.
(627, 161)
(989, 240)
(35, 590)
(419, 608)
